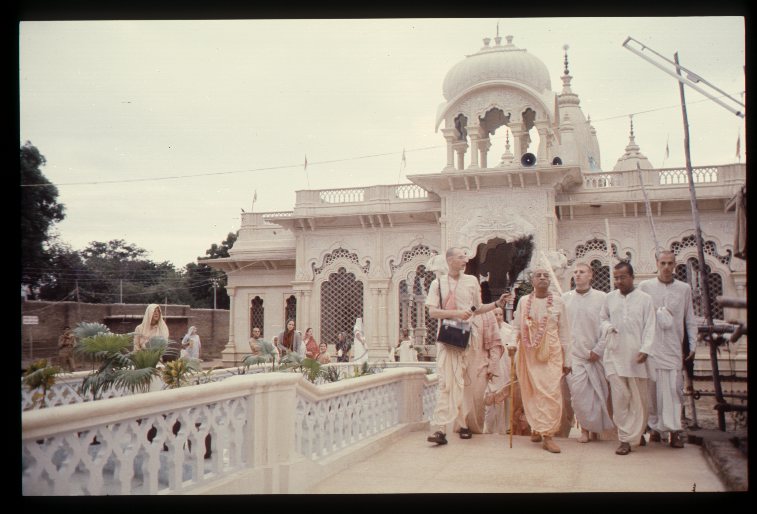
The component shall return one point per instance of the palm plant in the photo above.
(85, 330)
(120, 367)
(266, 353)
(176, 373)
(41, 375)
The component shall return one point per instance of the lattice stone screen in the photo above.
(411, 302)
(291, 310)
(689, 273)
(257, 315)
(341, 305)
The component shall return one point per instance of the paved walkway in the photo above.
(486, 464)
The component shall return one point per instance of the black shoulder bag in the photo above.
(453, 332)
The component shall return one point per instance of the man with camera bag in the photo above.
(456, 296)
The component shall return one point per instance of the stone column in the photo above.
(484, 144)
(460, 147)
(378, 340)
(541, 153)
(420, 315)
(519, 148)
(231, 354)
(473, 134)
(449, 136)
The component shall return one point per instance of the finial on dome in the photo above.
(487, 40)
(565, 48)
(630, 116)
(509, 40)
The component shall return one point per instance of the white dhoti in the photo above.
(629, 407)
(666, 401)
(588, 394)
(451, 370)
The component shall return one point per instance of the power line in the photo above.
(298, 165)
(209, 174)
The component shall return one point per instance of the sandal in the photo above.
(465, 433)
(623, 449)
(438, 438)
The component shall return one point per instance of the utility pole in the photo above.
(691, 80)
(215, 286)
(78, 305)
(121, 290)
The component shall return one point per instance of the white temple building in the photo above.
(343, 254)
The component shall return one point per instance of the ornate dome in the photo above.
(499, 62)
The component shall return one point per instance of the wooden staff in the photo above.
(512, 396)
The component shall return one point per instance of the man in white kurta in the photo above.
(674, 314)
(628, 318)
(543, 338)
(589, 391)
(462, 372)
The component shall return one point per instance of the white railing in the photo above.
(660, 177)
(705, 175)
(409, 191)
(66, 389)
(242, 434)
(343, 195)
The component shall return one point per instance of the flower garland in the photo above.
(529, 322)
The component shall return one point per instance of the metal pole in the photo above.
(705, 294)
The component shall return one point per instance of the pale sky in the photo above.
(219, 103)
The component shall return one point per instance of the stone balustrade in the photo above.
(664, 177)
(252, 433)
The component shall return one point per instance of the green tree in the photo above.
(40, 210)
(66, 265)
(201, 277)
(116, 271)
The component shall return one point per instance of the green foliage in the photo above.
(362, 370)
(41, 375)
(266, 353)
(40, 210)
(101, 345)
(85, 329)
(119, 367)
(311, 368)
(178, 372)
(330, 373)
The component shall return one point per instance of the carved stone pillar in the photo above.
(484, 145)
(449, 136)
(419, 335)
(232, 354)
(541, 153)
(460, 147)
(475, 138)
(519, 148)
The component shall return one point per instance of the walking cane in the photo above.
(512, 395)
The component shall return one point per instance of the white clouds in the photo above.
(123, 100)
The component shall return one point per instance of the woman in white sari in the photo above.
(360, 350)
(152, 325)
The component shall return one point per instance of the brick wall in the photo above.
(41, 340)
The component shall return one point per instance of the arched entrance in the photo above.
(498, 264)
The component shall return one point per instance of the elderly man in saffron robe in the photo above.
(543, 357)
